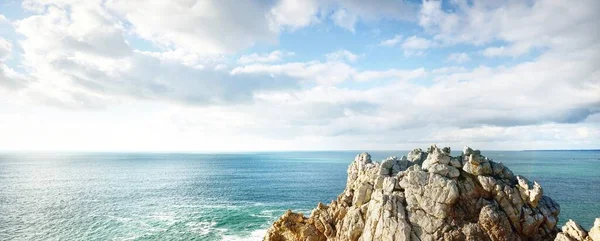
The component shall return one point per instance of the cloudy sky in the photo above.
(214, 75)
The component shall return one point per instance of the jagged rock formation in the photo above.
(573, 232)
(430, 196)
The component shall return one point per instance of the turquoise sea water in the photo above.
(124, 196)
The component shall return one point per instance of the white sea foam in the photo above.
(203, 228)
(213, 206)
(261, 215)
(269, 213)
(256, 235)
(168, 217)
(119, 219)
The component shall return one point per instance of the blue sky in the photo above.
(185, 75)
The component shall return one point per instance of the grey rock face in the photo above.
(496, 224)
(477, 165)
(529, 193)
(432, 196)
(444, 170)
(417, 156)
(393, 165)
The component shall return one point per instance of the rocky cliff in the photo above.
(432, 196)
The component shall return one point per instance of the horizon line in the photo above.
(250, 151)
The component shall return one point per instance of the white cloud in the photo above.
(379, 9)
(5, 49)
(79, 59)
(186, 58)
(427, 113)
(203, 27)
(344, 19)
(220, 67)
(343, 13)
(274, 56)
(342, 55)
(514, 50)
(81, 30)
(448, 70)
(12, 80)
(458, 57)
(325, 73)
(293, 14)
(522, 24)
(415, 46)
(390, 74)
(3, 19)
(414, 42)
(391, 42)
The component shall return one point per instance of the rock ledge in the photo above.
(432, 196)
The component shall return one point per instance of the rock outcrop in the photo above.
(432, 196)
(573, 232)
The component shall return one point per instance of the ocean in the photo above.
(226, 196)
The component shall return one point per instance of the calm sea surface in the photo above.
(117, 196)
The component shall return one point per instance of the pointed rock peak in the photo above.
(446, 150)
(364, 157)
(467, 151)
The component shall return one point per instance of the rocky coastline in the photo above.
(431, 195)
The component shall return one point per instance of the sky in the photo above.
(221, 75)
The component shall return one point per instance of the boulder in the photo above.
(495, 223)
(417, 156)
(436, 156)
(393, 165)
(294, 226)
(487, 183)
(529, 193)
(444, 170)
(475, 165)
(572, 232)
